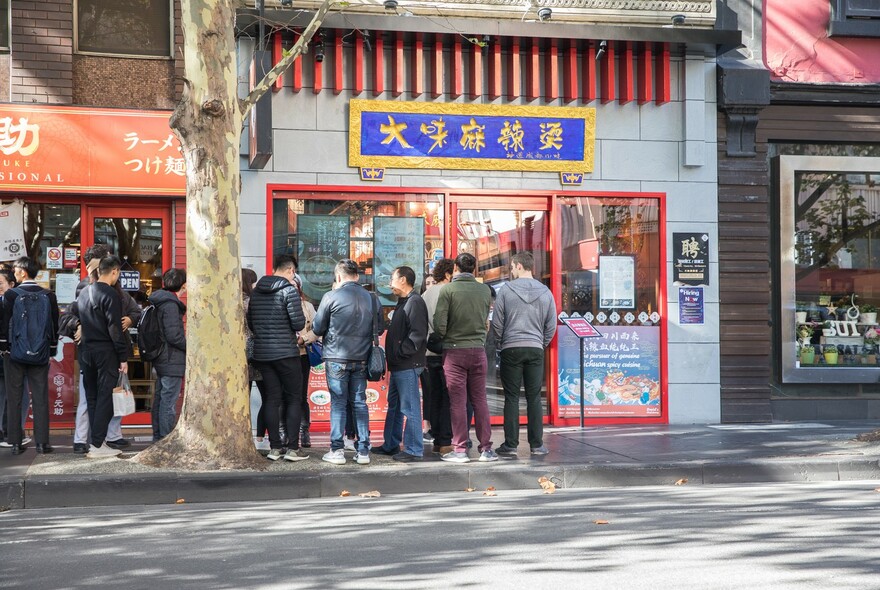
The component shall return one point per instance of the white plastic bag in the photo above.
(123, 398)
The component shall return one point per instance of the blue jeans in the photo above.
(165, 405)
(348, 382)
(403, 401)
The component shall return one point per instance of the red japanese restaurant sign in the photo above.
(102, 151)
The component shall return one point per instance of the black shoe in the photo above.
(406, 458)
(45, 449)
(470, 444)
(119, 443)
(305, 439)
(505, 449)
(18, 449)
(80, 448)
(383, 451)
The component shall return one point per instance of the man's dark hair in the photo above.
(108, 264)
(248, 278)
(466, 262)
(8, 275)
(28, 265)
(524, 258)
(408, 274)
(347, 267)
(98, 251)
(443, 267)
(284, 262)
(174, 279)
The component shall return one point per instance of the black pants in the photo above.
(38, 381)
(100, 370)
(282, 382)
(305, 367)
(441, 422)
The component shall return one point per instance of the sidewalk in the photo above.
(596, 457)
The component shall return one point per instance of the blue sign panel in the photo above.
(690, 305)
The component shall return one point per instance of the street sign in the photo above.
(581, 327)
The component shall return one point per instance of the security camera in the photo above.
(678, 19)
(544, 13)
(390, 4)
(286, 2)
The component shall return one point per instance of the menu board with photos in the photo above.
(324, 240)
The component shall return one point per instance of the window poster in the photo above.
(691, 259)
(397, 241)
(621, 373)
(324, 240)
(65, 287)
(617, 282)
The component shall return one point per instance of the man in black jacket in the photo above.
(104, 350)
(275, 316)
(36, 371)
(405, 346)
(171, 364)
(345, 320)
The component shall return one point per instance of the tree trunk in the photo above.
(214, 430)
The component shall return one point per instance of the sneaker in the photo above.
(261, 445)
(305, 438)
(274, 454)
(295, 455)
(102, 452)
(442, 449)
(406, 457)
(383, 451)
(5, 445)
(25, 440)
(336, 457)
(362, 459)
(80, 448)
(489, 455)
(454, 457)
(349, 443)
(504, 449)
(428, 437)
(542, 450)
(119, 443)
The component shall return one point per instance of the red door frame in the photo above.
(512, 199)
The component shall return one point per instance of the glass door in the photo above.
(493, 233)
(141, 237)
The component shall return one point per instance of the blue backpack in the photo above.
(30, 331)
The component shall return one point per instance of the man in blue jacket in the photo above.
(275, 316)
(171, 364)
(345, 320)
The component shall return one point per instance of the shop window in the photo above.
(830, 249)
(124, 27)
(854, 18)
(379, 233)
(52, 237)
(4, 25)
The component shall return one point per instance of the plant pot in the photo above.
(828, 332)
(801, 317)
(868, 317)
(808, 356)
(830, 358)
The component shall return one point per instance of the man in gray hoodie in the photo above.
(524, 322)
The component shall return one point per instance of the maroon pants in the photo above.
(465, 370)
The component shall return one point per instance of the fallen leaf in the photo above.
(602, 522)
(373, 494)
(681, 482)
(877, 489)
(490, 492)
(469, 489)
(490, 489)
(180, 501)
(344, 493)
(548, 486)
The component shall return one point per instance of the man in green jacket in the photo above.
(461, 319)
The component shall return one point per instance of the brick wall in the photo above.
(42, 51)
(123, 82)
(4, 78)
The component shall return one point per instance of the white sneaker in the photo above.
(336, 457)
(26, 440)
(362, 459)
(349, 443)
(5, 445)
(261, 445)
(102, 452)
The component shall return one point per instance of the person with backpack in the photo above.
(162, 322)
(104, 350)
(28, 333)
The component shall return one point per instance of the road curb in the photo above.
(57, 491)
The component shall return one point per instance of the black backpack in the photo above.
(149, 337)
(30, 332)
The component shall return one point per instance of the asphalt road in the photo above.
(790, 536)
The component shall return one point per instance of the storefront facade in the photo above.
(624, 231)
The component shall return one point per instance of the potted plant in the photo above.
(868, 314)
(800, 312)
(828, 329)
(807, 354)
(830, 353)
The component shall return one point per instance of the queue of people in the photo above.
(434, 349)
